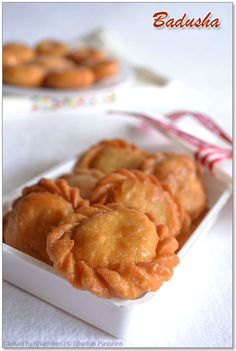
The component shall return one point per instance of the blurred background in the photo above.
(200, 58)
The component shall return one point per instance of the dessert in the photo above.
(27, 75)
(134, 189)
(33, 215)
(53, 62)
(110, 155)
(180, 175)
(14, 53)
(112, 251)
(86, 54)
(85, 179)
(112, 225)
(62, 67)
(52, 48)
(69, 78)
(104, 69)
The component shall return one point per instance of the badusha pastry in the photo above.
(9, 58)
(180, 175)
(27, 75)
(52, 48)
(36, 212)
(14, 53)
(85, 179)
(110, 155)
(134, 189)
(85, 54)
(69, 78)
(105, 69)
(53, 62)
(112, 251)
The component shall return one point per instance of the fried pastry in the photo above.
(105, 69)
(112, 251)
(110, 155)
(14, 53)
(69, 78)
(86, 54)
(53, 62)
(85, 179)
(180, 175)
(136, 190)
(27, 75)
(36, 212)
(52, 48)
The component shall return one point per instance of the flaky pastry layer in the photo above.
(134, 189)
(110, 155)
(125, 259)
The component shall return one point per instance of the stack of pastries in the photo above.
(52, 64)
(111, 226)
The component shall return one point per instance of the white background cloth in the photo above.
(201, 60)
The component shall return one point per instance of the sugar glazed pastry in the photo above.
(113, 224)
(36, 212)
(69, 78)
(180, 175)
(136, 190)
(14, 53)
(111, 155)
(85, 179)
(112, 251)
(86, 54)
(104, 69)
(63, 68)
(52, 48)
(53, 62)
(26, 75)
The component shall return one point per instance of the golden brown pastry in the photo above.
(105, 69)
(27, 75)
(52, 48)
(69, 78)
(134, 189)
(53, 62)
(180, 175)
(36, 212)
(112, 251)
(85, 179)
(85, 54)
(14, 53)
(110, 155)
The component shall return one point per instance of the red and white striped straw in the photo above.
(207, 154)
(206, 121)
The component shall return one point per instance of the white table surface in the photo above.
(201, 59)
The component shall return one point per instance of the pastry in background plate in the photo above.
(52, 48)
(85, 179)
(111, 155)
(26, 74)
(85, 54)
(134, 189)
(181, 176)
(53, 62)
(112, 251)
(105, 68)
(70, 78)
(14, 53)
(36, 212)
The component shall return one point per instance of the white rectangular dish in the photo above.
(115, 316)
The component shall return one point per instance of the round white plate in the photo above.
(124, 77)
